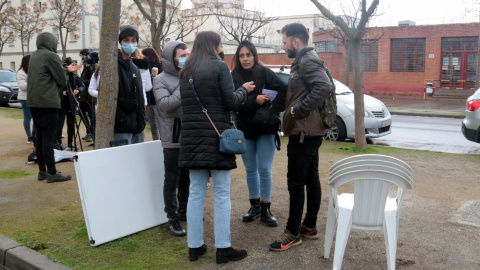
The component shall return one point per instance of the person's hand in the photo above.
(75, 92)
(291, 112)
(261, 99)
(73, 68)
(64, 93)
(249, 86)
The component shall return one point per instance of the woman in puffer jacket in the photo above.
(199, 149)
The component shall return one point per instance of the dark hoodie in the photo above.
(45, 74)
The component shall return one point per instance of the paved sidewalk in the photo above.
(429, 107)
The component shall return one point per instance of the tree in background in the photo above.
(355, 32)
(24, 21)
(237, 23)
(5, 35)
(166, 18)
(108, 92)
(67, 16)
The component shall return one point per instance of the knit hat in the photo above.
(127, 31)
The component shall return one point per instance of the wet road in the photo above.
(428, 133)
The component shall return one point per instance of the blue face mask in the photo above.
(129, 48)
(181, 61)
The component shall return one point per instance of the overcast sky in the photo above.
(421, 11)
(394, 10)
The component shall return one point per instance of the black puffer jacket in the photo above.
(250, 107)
(130, 115)
(199, 141)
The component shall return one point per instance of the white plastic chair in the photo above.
(369, 208)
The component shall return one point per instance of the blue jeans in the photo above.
(258, 163)
(27, 118)
(222, 207)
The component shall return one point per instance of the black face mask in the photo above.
(222, 55)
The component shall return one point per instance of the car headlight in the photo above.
(351, 108)
(4, 89)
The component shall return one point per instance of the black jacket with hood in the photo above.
(130, 115)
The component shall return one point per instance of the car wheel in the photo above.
(338, 131)
(3, 103)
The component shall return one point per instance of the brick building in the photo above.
(398, 61)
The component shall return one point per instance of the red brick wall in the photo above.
(384, 82)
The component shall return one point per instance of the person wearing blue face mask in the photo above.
(130, 115)
(166, 89)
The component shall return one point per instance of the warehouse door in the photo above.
(459, 62)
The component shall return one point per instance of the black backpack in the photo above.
(328, 109)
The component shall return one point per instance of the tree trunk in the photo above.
(356, 55)
(108, 93)
(64, 53)
(348, 62)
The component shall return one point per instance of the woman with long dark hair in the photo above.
(260, 143)
(199, 150)
(22, 75)
(151, 113)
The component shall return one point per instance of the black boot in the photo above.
(267, 216)
(194, 253)
(230, 254)
(254, 211)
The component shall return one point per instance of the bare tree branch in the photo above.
(67, 15)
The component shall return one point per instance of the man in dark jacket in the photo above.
(45, 76)
(130, 115)
(308, 87)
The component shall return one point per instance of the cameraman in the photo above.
(89, 59)
(45, 75)
(68, 97)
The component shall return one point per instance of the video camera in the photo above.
(67, 62)
(91, 58)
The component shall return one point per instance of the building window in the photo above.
(326, 45)
(459, 44)
(369, 50)
(408, 55)
(12, 66)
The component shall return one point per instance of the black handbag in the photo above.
(231, 141)
(266, 118)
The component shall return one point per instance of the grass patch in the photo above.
(60, 233)
(11, 174)
(148, 128)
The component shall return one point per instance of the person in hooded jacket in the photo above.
(45, 75)
(166, 89)
(130, 114)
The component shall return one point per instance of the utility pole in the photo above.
(83, 25)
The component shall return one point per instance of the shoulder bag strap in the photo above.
(203, 108)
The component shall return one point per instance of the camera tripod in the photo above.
(74, 105)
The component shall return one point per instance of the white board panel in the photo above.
(121, 190)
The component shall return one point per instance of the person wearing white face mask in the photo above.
(166, 89)
(130, 115)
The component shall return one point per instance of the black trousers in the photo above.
(303, 171)
(45, 122)
(88, 111)
(174, 176)
(66, 111)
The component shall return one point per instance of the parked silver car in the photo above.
(377, 117)
(471, 123)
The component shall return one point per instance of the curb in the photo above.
(428, 114)
(14, 256)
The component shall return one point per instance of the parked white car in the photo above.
(377, 117)
(471, 123)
